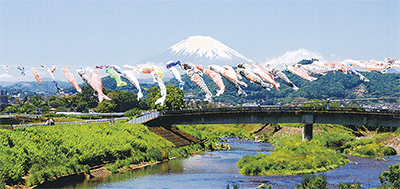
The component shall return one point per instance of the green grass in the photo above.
(390, 178)
(214, 131)
(293, 157)
(354, 185)
(368, 147)
(52, 151)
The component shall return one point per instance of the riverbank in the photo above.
(123, 147)
(218, 169)
(33, 155)
(96, 173)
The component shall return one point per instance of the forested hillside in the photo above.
(34, 87)
(333, 85)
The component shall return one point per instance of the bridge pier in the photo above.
(307, 121)
(307, 131)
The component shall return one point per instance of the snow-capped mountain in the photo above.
(200, 50)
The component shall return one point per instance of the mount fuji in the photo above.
(200, 50)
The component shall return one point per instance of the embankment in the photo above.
(32, 155)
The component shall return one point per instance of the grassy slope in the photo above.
(53, 151)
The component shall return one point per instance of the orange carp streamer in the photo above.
(70, 77)
(97, 85)
(36, 74)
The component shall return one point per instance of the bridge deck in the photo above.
(278, 115)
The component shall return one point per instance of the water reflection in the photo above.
(170, 167)
(218, 169)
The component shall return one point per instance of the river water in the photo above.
(218, 169)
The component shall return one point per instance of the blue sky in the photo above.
(90, 33)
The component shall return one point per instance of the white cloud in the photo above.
(6, 77)
(292, 57)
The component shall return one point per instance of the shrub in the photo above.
(391, 177)
(367, 148)
(2, 182)
(380, 159)
(88, 117)
(47, 152)
(33, 180)
(335, 139)
(50, 115)
(154, 154)
(214, 131)
(126, 163)
(355, 185)
(388, 151)
(86, 169)
(312, 182)
(113, 168)
(292, 157)
(132, 112)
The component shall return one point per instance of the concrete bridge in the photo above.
(305, 115)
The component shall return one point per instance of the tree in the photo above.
(52, 97)
(54, 103)
(173, 100)
(82, 106)
(10, 109)
(154, 94)
(25, 98)
(36, 100)
(88, 97)
(66, 102)
(123, 100)
(298, 100)
(106, 107)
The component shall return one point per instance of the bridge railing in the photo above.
(146, 117)
(285, 109)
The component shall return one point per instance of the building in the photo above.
(3, 97)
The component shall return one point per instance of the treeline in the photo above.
(122, 101)
(42, 153)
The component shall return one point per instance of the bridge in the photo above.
(265, 115)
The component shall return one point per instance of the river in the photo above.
(218, 169)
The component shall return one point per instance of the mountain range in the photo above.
(33, 87)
